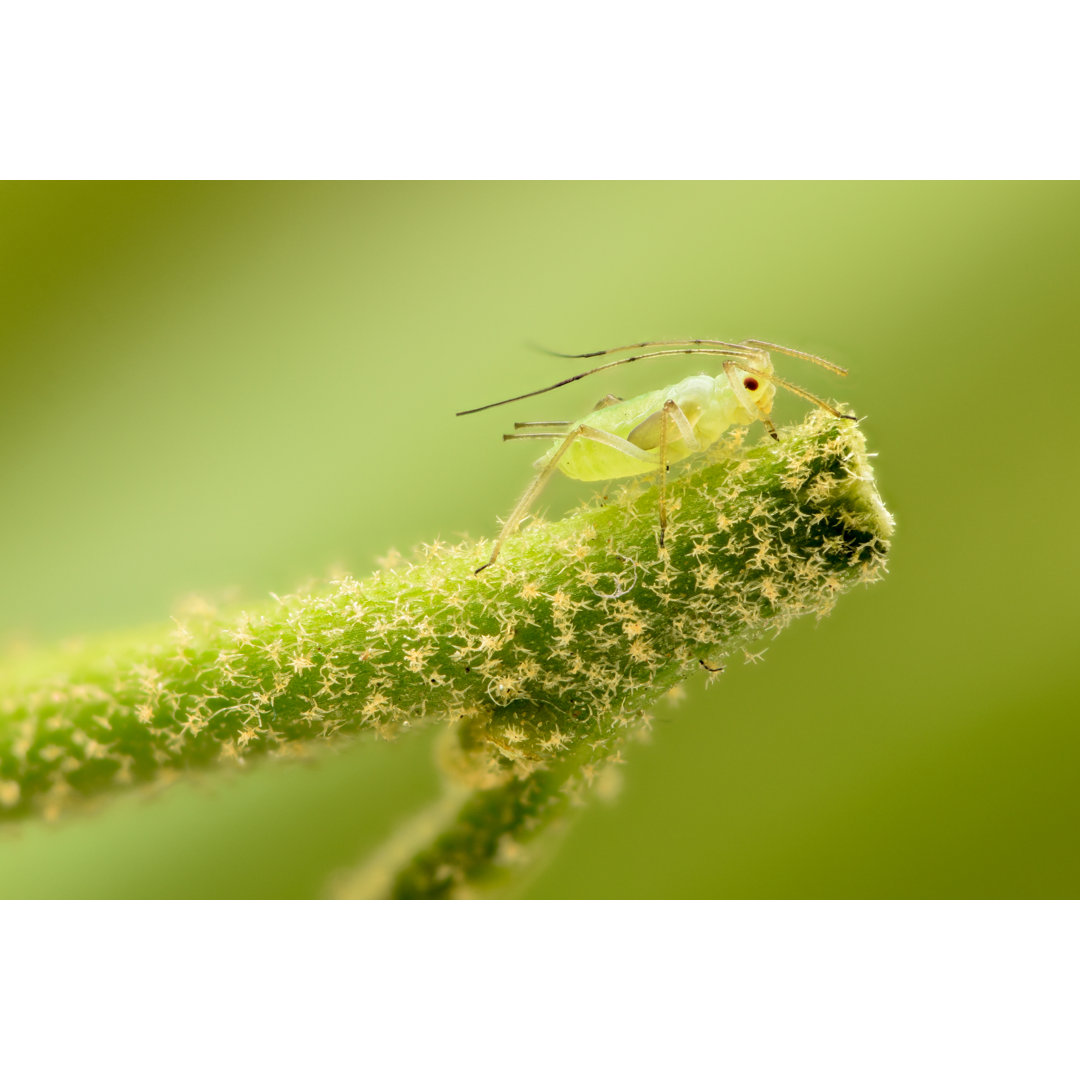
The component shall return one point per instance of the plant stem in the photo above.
(540, 667)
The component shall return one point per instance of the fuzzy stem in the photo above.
(541, 666)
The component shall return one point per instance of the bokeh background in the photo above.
(227, 389)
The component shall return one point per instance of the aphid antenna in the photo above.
(697, 346)
(770, 346)
(734, 352)
(749, 347)
(637, 345)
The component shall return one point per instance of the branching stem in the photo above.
(540, 668)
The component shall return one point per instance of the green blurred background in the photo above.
(231, 388)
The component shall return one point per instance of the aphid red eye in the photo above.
(750, 383)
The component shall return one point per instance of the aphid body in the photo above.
(708, 404)
(649, 432)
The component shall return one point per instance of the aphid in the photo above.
(653, 430)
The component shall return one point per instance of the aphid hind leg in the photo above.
(539, 481)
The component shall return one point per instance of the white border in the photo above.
(424, 90)
(541, 989)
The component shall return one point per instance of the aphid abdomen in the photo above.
(638, 421)
(587, 460)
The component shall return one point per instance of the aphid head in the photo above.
(755, 383)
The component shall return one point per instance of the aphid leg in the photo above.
(671, 414)
(542, 423)
(744, 399)
(540, 480)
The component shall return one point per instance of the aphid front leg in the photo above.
(583, 431)
(671, 415)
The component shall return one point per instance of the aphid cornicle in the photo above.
(649, 432)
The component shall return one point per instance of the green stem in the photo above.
(541, 666)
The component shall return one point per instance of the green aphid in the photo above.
(649, 432)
